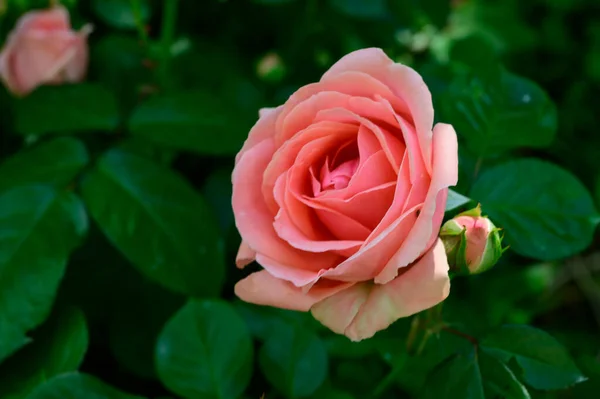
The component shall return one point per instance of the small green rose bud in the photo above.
(472, 242)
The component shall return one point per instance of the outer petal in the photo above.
(255, 222)
(262, 288)
(363, 309)
(403, 81)
(76, 69)
(245, 255)
(263, 129)
(55, 18)
(445, 174)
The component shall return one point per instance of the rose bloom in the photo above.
(339, 195)
(43, 49)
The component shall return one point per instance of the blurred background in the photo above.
(160, 71)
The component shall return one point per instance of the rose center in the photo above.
(339, 177)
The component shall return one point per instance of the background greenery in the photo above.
(116, 232)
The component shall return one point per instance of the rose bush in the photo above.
(44, 49)
(339, 195)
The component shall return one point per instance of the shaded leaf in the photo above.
(39, 228)
(77, 386)
(294, 360)
(205, 351)
(545, 363)
(55, 162)
(192, 121)
(545, 211)
(58, 347)
(66, 109)
(500, 112)
(157, 221)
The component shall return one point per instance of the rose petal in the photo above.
(255, 222)
(445, 174)
(316, 241)
(55, 18)
(403, 81)
(377, 251)
(297, 185)
(392, 146)
(415, 158)
(303, 114)
(262, 288)
(263, 129)
(363, 309)
(286, 155)
(366, 207)
(245, 255)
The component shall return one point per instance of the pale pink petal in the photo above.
(358, 86)
(38, 57)
(416, 161)
(302, 114)
(363, 309)
(403, 81)
(54, 18)
(245, 255)
(398, 206)
(445, 174)
(264, 111)
(367, 60)
(254, 220)
(263, 129)
(262, 288)
(76, 69)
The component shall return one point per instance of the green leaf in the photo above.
(473, 375)
(191, 121)
(263, 320)
(360, 8)
(205, 351)
(499, 113)
(60, 348)
(456, 200)
(498, 380)
(134, 329)
(66, 109)
(39, 228)
(545, 363)
(157, 221)
(545, 211)
(121, 13)
(77, 386)
(456, 377)
(56, 162)
(294, 360)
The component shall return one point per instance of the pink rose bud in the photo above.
(472, 242)
(44, 49)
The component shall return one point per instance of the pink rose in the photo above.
(43, 49)
(339, 195)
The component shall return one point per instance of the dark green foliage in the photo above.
(117, 236)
